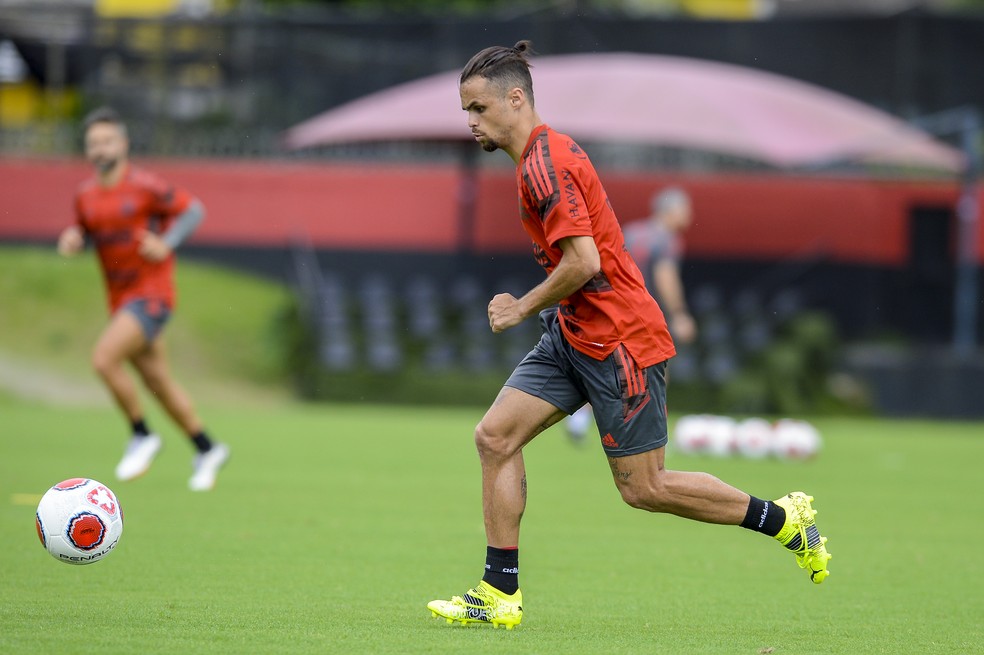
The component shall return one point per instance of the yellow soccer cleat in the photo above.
(483, 604)
(800, 535)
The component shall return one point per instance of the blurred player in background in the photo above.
(607, 343)
(136, 220)
(656, 245)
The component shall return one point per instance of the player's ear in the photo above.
(516, 97)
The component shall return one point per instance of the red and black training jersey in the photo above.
(114, 218)
(560, 195)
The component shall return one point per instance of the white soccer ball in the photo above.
(795, 439)
(690, 434)
(79, 521)
(753, 438)
(721, 436)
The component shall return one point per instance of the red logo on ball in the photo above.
(85, 531)
(103, 498)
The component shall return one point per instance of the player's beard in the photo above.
(105, 164)
(488, 143)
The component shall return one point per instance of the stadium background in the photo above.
(208, 89)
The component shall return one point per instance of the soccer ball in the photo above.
(79, 521)
(795, 439)
(720, 436)
(753, 438)
(690, 434)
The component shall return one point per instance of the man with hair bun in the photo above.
(605, 341)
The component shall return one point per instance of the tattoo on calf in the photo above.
(522, 487)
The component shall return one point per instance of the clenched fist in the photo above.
(504, 312)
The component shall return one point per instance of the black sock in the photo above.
(502, 569)
(202, 443)
(139, 427)
(764, 516)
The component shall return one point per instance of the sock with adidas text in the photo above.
(502, 569)
(764, 516)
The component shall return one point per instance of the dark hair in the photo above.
(505, 67)
(103, 115)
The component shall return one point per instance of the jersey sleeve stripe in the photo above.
(540, 178)
(535, 170)
(532, 182)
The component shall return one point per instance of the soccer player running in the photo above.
(606, 343)
(135, 220)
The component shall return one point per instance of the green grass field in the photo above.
(333, 525)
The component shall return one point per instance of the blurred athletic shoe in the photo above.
(138, 456)
(207, 466)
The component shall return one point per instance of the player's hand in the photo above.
(70, 241)
(153, 248)
(683, 327)
(504, 312)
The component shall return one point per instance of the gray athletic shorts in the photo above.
(152, 314)
(629, 402)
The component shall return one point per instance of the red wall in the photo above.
(264, 204)
(402, 207)
(763, 216)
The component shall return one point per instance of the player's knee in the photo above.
(485, 441)
(492, 443)
(643, 496)
(103, 362)
(632, 497)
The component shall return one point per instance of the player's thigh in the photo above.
(514, 419)
(153, 315)
(121, 339)
(643, 468)
(541, 390)
(547, 372)
(628, 401)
